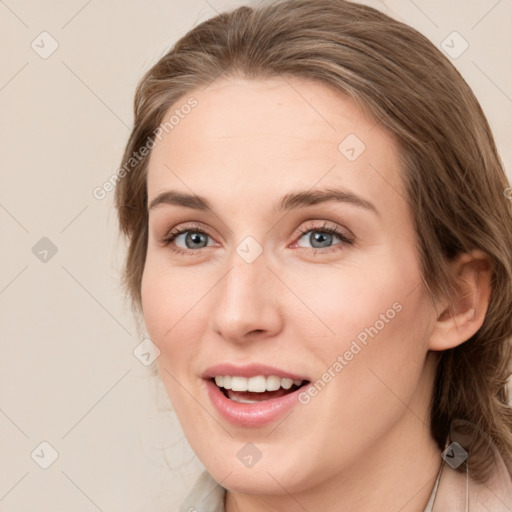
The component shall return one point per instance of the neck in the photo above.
(397, 473)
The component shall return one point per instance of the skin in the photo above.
(363, 442)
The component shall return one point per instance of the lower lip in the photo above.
(251, 415)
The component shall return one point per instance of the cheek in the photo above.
(168, 311)
(165, 303)
(372, 299)
(175, 304)
(383, 359)
(157, 304)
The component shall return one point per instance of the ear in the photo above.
(457, 322)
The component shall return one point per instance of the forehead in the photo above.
(272, 135)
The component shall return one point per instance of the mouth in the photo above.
(254, 395)
(256, 389)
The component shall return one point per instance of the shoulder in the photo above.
(495, 494)
(457, 491)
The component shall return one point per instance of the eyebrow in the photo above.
(288, 202)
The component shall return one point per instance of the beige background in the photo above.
(68, 375)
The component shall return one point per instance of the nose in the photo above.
(247, 301)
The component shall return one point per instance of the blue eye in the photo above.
(322, 237)
(195, 239)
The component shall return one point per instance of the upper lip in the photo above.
(249, 370)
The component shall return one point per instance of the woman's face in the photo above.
(298, 263)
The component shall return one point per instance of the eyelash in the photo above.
(345, 239)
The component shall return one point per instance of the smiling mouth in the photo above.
(256, 389)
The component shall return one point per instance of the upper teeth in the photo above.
(258, 384)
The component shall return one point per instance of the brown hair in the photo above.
(453, 176)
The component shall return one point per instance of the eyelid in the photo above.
(333, 228)
(171, 234)
(187, 226)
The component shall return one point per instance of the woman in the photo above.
(320, 244)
